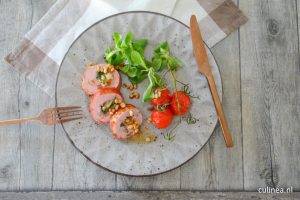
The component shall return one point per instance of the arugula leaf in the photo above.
(127, 42)
(149, 94)
(140, 76)
(108, 54)
(155, 81)
(173, 63)
(137, 59)
(163, 59)
(128, 53)
(158, 63)
(132, 71)
(162, 47)
(158, 80)
(117, 39)
(139, 45)
(113, 57)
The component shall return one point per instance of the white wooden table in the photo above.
(260, 71)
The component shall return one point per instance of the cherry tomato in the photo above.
(164, 98)
(182, 105)
(162, 118)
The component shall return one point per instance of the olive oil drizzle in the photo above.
(144, 136)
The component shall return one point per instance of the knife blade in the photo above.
(205, 69)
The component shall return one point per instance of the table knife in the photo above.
(205, 69)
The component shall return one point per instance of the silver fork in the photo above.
(51, 116)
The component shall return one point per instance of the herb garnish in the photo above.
(170, 136)
(101, 77)
(190, 119)
(128, 53)
(107, 105)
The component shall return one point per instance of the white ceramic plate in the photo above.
(95, 141)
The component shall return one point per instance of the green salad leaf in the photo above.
(137, 59)
(128, 54)
(139, 45)
(155, 81)
(163, 59)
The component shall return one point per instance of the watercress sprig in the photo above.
(128, 53)
(161, 60)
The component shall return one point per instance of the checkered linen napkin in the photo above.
(41, 52)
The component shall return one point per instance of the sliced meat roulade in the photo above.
(105, 103)
(126, 122)
(100, 76)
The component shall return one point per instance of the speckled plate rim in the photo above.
(88, 158)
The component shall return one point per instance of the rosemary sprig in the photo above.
(190, 119)
(170, 136)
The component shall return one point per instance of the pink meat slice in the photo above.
(119, 131)
(97, 101)
(89, 80)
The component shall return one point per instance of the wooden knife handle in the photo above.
(220, 112)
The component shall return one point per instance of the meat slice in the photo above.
(103, 99)
(121, 131)
(91, 84)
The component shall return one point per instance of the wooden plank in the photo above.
(72, 171)
(36, 139)
(153, 195)
(270, 94)
(198, 173)
(228, 163)
(217, 167)
(166, 181)
(298, 22)
(14, 23)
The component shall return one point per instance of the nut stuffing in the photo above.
(112, 106)
(104, 75)
(130, 87)
(134, 95)
(130, 124)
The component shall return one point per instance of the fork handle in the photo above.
(18, 121)
(219, 109)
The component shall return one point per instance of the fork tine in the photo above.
(65, 108)
(67, 120)
(66, 111)
(68, 116)
(56, 112)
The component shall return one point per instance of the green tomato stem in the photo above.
(175, 87)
